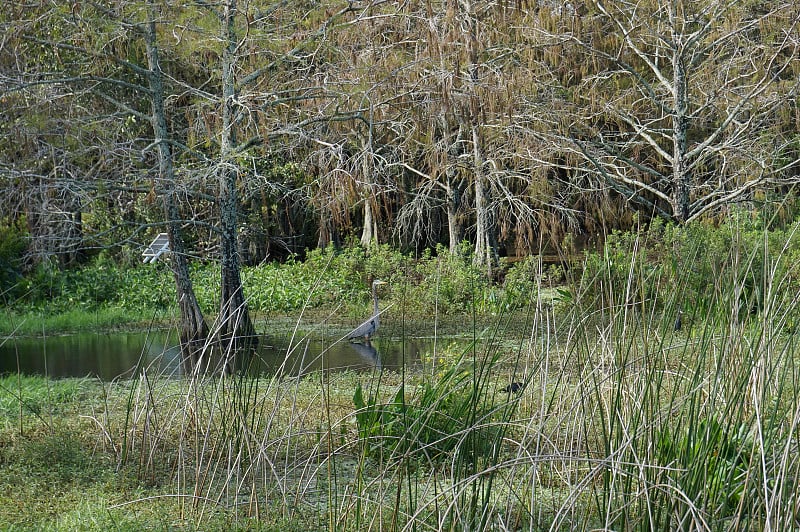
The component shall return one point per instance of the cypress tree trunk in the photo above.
(454, 230)
(370, 229)
(483, 239)
(193, 327)
(236, 329)
(453, 188)
(681, 175)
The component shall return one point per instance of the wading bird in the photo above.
(514, 387)
(368, 328)
(678, 320)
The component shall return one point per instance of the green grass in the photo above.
(36, 323)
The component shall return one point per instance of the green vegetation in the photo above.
(703, 268)
(451, 415)
(12, 245)
(102, 294)
(623, 423)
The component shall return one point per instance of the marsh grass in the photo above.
(690, 429)
(623, 423)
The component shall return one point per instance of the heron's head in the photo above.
(378, 282)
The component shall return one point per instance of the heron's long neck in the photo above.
(375, 301)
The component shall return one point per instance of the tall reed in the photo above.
(622, 422)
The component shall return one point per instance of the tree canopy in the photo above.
(506, 123)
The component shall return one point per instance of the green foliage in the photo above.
(689, 420)
(205, 279)
(35, 395)
(96, 286)
(444, 415)
(443, 282)
(12, 246)
(724, 271)
(708, 462)
(450, 283)
(622, 274)
(524, 280)
(662, 268)
(377, 421)
(269, 289)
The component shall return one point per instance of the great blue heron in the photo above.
(368, 328)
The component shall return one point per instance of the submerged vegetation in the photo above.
(622, 422)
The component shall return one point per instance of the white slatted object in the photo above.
(159, 246)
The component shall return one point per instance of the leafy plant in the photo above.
(446, 414)
(709, 462)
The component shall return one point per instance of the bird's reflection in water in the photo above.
(367, 352)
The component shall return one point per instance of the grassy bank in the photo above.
(37, 323)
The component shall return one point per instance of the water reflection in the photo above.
(367, 352)
(118, 355)
(311, 355)
(78, 355)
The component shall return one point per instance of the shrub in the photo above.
(668, 265)
(521, 283)
(448, 283)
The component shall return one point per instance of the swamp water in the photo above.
(117, 355)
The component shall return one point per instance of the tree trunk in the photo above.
(326, 231)
(193, 327)
(681, 175)
(236, 329)
(370, 231)
(454, 230)
(453, 190)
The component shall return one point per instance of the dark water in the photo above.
(117, 355)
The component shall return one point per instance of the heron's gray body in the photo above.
(367, 329)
